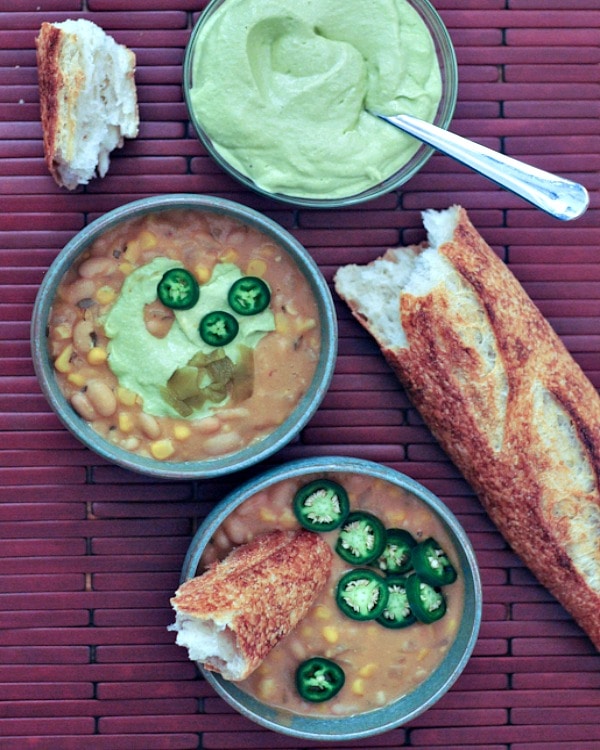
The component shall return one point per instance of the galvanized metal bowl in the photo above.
(403, 709)
(226, 464)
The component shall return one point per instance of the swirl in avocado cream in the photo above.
(282, 89)
(156, 368)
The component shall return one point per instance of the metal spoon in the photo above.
(556, 196)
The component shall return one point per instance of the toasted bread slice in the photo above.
(230, 617)
(88, 99)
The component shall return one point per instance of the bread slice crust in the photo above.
(258, 593)
(88, 99)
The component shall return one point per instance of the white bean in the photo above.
(95, 267)
(82, 336)
(130, 444)
(224, 442)
(82, 405)
(149, 425)
(208, 425)
(78, 290)
(298, 649)
(236, 529)
(102, 398)
(237, 412)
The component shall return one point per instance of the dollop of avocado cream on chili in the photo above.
(180, 375)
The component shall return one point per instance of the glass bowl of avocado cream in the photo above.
(281, 94)
(184, 336)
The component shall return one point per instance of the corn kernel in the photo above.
(256, 267)
(422, 654)
(63, 362)
(269, 249)
(305, 324)
(287, 519)
(203, 273)
(282, 324)
(133, 250)
(267, 515)
(147, 239)
(368, 670)
(125, 268)
(105, 295)
(230, 255)
(322, 612)
(76, 378)
(125, 422)
(358, 686)
(267, 688)
(97, 355)
(331, 634)
(63, 331)
(181, 432)
(162, 449)
(125, 396)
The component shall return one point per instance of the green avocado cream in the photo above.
(147, 365)
(282, 89)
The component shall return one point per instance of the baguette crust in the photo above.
(514, 412)
(51, 82)
(259, 592)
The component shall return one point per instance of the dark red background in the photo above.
(89, 553)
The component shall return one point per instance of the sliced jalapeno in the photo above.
(178, 289)
(319, 679)
(427, 602)
(362, 594)
(218, 328)
(361, 539)
(397, 613)
(432, 563)
(321, 505)
(249, 295)
(396, 556)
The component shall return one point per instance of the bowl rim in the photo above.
(386, 718)
(446, 55)
(220, 465)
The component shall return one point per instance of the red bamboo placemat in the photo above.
(89, 553)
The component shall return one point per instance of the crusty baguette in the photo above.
(231, 616)
(88, 99)
(501, 394)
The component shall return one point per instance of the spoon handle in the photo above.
(561, 198)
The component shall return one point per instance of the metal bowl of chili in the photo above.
(432, 563)
(179, 244)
